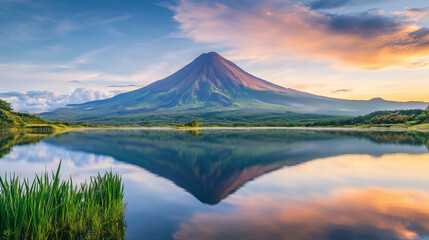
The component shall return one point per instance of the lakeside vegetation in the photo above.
(9, 119)
(49, 208)
(398, 118)
(413, 118)
(210, 119)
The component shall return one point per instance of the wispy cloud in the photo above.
(53, 74)
(415, 14)
(75, 81)
(342, 90)
(328, 4)
(32, 21)
(67, 26)
(269, 29)
(122, 86)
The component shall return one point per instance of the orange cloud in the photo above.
(371, 40)
(348, 214)
(415, 14)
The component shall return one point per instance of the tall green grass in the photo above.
(49, 208)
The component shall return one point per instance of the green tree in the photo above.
(193, 123)
(6, 106)
(424, 117)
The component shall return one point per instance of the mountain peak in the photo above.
(377, 99)
(212, 54)
(209, 74)
(211, 57)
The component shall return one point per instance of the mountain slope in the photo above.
(213, 83)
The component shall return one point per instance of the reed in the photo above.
(48, 208)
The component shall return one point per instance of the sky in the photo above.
(55, 53)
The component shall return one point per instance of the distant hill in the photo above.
(212, 83)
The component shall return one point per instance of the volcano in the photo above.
(213, 83)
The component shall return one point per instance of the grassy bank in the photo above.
(49, 208)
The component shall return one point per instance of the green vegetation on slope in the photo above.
(31, 122)
(404, 118)
(49, 208)
(209, 119)
(11, 119)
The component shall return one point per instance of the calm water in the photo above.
(248, 184)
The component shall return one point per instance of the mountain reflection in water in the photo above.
(249, 184)
(213, 164)
(359, 212)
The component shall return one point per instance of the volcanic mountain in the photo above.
(213, 83)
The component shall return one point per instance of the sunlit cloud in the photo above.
(269, 29)
(415, 14)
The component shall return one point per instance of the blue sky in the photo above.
(60, 52)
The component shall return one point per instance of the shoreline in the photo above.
(375, 129)
(360, 129)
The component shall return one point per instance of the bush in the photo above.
(6, 106)
(9, 120)
(193, 123)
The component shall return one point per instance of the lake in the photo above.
(247, 184)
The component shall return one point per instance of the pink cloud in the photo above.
(271, 29)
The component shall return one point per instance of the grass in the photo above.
(49, 208)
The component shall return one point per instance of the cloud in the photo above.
(321, 4)
(67, 26)
(288, 29)
(42, 101)
(328, 4)
(48, 77)
(342, 91)
(366, 25)
(414, 14)
(122, 86)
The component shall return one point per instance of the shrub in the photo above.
(6, 106)
(9, 120)
(193, 123)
